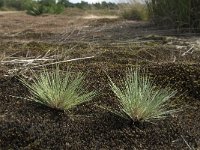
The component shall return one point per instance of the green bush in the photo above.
(139, 100)
(15, 4)
(55, 9)
(45, 6)
(57, 90)
(35, 10)
(1, 3)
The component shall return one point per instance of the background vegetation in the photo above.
(134, 10)
(178, 14)
(51, 6)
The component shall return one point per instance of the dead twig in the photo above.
(27, 65)
(24, 61)
(188, 51)
(58, 62)
(191, 148)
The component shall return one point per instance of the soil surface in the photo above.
(113, 44)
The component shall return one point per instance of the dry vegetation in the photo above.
(98, 46)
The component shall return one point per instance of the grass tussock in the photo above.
(57, 90)
(139, 100)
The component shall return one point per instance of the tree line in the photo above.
(37, 7)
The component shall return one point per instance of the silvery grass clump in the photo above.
(57, 90)
(139, 100)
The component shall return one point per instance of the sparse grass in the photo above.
(57, 90)
(139, 99)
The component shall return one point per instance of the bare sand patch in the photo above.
(100, 17)
(8, 12)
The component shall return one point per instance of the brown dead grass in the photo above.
(18, 22)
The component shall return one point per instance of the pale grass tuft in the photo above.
(58, 90)
(139, 99)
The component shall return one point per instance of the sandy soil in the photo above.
(9, 12)
(100, 17)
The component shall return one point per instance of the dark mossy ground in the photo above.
(29, 125)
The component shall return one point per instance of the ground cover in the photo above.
(110, 46)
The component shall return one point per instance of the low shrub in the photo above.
(55, 9)
(35, 10)
(134, 11)
(38, 8)
(139, 100)
(57, 90)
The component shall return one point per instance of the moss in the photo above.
(183, 77)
